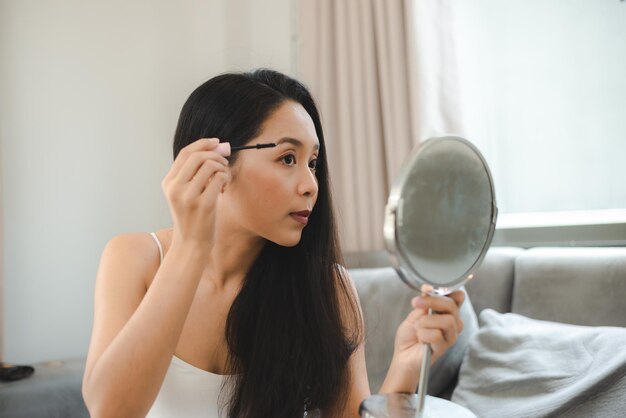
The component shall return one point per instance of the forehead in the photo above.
(290, 120)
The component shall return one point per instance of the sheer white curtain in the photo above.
(383, 74)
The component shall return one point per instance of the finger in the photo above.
(440, 304)
(220, 178)
(196, 161)
(447, 324)
(426, 288)
(205, 144)
(435, 302)
(202, 179)
(458, 296)
(416, 314)
(434, 337)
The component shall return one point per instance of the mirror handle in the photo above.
(424, 374)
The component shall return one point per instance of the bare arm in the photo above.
(136, 332)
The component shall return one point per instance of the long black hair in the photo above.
(295, 322)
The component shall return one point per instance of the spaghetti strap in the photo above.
(158, 243)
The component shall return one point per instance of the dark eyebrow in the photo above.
(295, 142)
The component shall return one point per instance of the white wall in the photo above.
(89, 98)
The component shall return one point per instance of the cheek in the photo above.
(269, 194)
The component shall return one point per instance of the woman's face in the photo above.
(268, 185)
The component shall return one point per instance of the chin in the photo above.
(287, 241)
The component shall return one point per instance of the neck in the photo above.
(233, 253)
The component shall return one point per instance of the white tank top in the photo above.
(187, 391)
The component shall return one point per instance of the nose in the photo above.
(307, 182)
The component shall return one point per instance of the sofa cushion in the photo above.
(520, 367)
(54, 390)
(584, 286)
(386, 301)
(367, 259)
(492, 285)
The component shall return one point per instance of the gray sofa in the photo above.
(581, 286)
(516, 356)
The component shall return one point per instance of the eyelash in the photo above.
(294, 158)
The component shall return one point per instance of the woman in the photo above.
(243, 297)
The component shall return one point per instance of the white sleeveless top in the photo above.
(187, 391)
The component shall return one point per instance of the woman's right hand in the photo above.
(191, 187)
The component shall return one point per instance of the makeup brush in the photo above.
(257, 146)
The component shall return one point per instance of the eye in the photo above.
(289, 159)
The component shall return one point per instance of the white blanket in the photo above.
(520, 367)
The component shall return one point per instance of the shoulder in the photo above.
(136, 247)
(130, 255)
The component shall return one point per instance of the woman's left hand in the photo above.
(440, 329)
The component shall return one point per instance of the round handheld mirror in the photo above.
(440, 215)
(439, 222)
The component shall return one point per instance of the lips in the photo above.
(301, 216)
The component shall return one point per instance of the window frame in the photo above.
(592, 228)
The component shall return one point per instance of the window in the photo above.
(544, 99)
